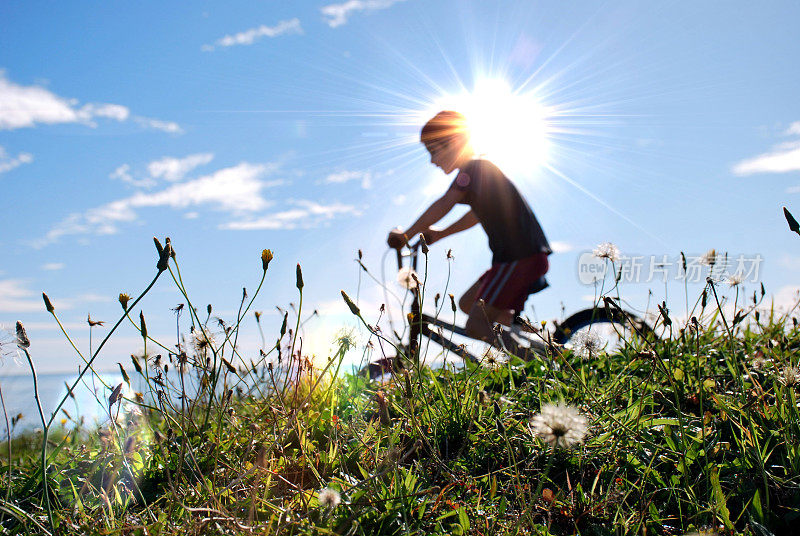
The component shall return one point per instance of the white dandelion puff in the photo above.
(407, 278)
(202, 339)
(607, 250)
(790, 376)
(736, 279)
(559, 425)
(709, 258)
(759, 363)
(329, 498)
(587, 344)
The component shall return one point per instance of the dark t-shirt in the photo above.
(513, 231)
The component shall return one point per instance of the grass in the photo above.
(697, 431)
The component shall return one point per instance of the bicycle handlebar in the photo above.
(412, 252)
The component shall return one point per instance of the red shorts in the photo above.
(506, 285)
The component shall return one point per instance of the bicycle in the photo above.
(611, 319)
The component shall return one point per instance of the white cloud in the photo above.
(157, 124)
(794, 128)
(346, 176)
(235, 189)
(787, 298)
(783, 158)
(16, 297)
(53, 266)
(27, 106)
(168, 168)
(109, 111)
(337, 14)
(123, 173)
(248, 37)
(175, 169)
(8, 163)
(308, 214)
(561, 247)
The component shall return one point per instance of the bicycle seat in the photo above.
(538, 285)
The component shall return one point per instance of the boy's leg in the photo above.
(470, 298)
(480, 325)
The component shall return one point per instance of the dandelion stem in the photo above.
(45, 428)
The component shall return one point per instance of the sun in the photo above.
(509, 127)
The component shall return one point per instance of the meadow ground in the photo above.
(695, 432)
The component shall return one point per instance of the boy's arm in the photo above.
(434, 213)
(464, 222)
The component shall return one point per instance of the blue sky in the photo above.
(237, 126)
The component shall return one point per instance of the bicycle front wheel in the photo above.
(601, 329)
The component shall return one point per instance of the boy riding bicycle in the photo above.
(519, 247)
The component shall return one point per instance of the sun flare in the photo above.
(507, 126)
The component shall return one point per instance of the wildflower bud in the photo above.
(142, 325)
(283, 326)
(452, 303)
(159, 247)
(208, 309)
(423, 244)
(360, 255)
(244, 293)
(662, 308)
(22, 337)
(299, 277)
(383, 408)
(501, 427)
(136, 364)
(114, 395)
(124, 374)
(762, 290)
(266, 256)
(171, 249)
(47, 304)
(353, 307)
(704, 298)
(683, 262)
(163, 255)
(229, 366)
(258, 316)
(123, 301)
(793, 225)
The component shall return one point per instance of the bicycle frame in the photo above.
(420, 323)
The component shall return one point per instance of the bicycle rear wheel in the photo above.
(601, 329)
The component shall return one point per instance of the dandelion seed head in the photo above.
(559, 425)
(607, 250)
(493, 358)
(407, 278)
(736, 279)
(8, 343)
(202, 339)
(22, 337)
(709, 258)
(329, 498)
(587, 344)
(790, 376)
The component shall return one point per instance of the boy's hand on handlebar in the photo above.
(397, 238)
